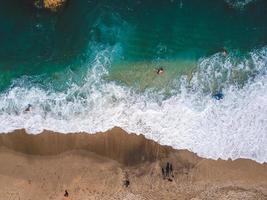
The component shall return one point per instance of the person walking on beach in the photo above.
(171, 170)
(163, 172)
(126, 182)
(168, 169)
(66, 194)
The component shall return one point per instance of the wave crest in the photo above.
(230, 128)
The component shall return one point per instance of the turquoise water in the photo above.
(36, 42)
(91, 66)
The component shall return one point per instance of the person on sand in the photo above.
(171, 170)
(159, 70)
(168, 169)
(66, 194)
(163, 172)
(126, 182)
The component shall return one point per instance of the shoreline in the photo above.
(115, 143)
(93, 166)
(36, 144)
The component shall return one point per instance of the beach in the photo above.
(149, 100)
(95, 166)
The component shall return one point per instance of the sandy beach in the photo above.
(178, 89)
(95, 166)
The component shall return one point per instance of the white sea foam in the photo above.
(239, 4)
(233, 127)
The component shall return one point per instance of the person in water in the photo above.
(224, 52)
(160, 70)
(218, 96)
(28, 108)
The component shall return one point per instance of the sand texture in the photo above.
(95, 166)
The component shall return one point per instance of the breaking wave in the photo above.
(190, 118)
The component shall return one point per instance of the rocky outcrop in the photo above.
(52, 5)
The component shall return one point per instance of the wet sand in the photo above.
(95, 166)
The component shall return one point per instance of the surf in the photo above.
(100, 73)
(189, 118)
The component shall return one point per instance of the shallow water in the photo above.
(91, 66)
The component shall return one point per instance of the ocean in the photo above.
(91, 66)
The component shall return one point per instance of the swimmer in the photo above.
(218, 96)
(160, 70)
(28, 108)
(224, 52)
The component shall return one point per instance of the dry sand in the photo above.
(41, 167)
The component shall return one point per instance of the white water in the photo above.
(234, 127)
(239, 4)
